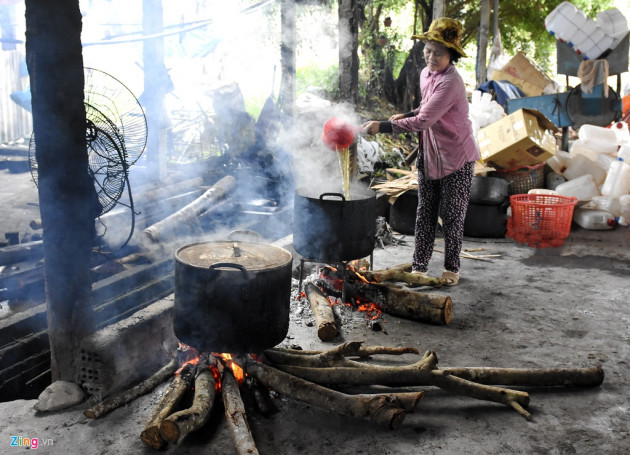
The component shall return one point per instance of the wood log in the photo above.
(168, 226)
(167, 405)
(411, 279)
(236, 416)
(531, 377)
(21, 252)
(377, 408)
(159, 193)
(422, 373)
(411, 304)
(177, 426)
(127, 396)
(322, 310)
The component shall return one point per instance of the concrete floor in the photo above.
(527, 308)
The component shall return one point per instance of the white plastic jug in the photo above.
(599, 138)
(607, 203)
(624, 153)
(603, 161)
(617, 181)
(593, 219)
(558, 162)
(614, 22)
(583, 147)
(624, 209)
(583, 188)
(621, 132)
(580, 165)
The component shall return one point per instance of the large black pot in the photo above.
(488, 190)
(232, 296)
(331, 228)
(402, 213)
(486, 221)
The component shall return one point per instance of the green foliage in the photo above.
(314, 76)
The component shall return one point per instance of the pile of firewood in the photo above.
(395, 291)
(314, 377)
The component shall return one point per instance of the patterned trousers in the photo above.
(447, 197)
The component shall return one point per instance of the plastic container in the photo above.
(540, 220)
(541, 191)
(621, 132)
(593, 219)
(624, 153)
(614, 22)
(558, 162)
(595, 44)
(607, 203)
(558, 21)
(581, 165)
(582, 188)
(624, 209)
(603, 161)
(599, 138)
(617, 181)
(582, 147)
(553, 179)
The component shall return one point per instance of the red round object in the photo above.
(337, 134)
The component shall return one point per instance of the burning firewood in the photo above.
(127, 396)
(383, 409)
(169, 402)
(322, 310)
(419, 306)
(333, 367)
(175, 427)
(389, 298)
(236, 415)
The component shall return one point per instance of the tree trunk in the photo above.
(68, 202)
(287, 56)
(348, 56)
(439, 8)
(157, 84)
(482, 43)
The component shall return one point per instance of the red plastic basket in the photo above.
(540, 220)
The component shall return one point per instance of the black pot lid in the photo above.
(250, 255)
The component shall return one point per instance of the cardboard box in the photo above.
(524, 74)
(523, 138)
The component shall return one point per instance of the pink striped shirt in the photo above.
(442, 116)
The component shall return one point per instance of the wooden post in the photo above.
(68, 201)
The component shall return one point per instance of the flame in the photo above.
(194, 361)
(372, 310)
(228, 362)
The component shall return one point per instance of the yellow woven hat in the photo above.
(446, 31)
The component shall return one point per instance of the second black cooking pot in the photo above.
(232, 296)
(330, 227)
(488, 190)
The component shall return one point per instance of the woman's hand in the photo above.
(370, 127)
(396, 117)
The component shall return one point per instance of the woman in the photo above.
(448, 149)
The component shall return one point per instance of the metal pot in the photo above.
(331, 228)
(486, 221)
(232, 296)
(402, 213)
(488, 190)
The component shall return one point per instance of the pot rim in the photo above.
(280, 252)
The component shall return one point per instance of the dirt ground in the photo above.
(527, 308)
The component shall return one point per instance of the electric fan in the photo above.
(116, 132)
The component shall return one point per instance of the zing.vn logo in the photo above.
(31, 443)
